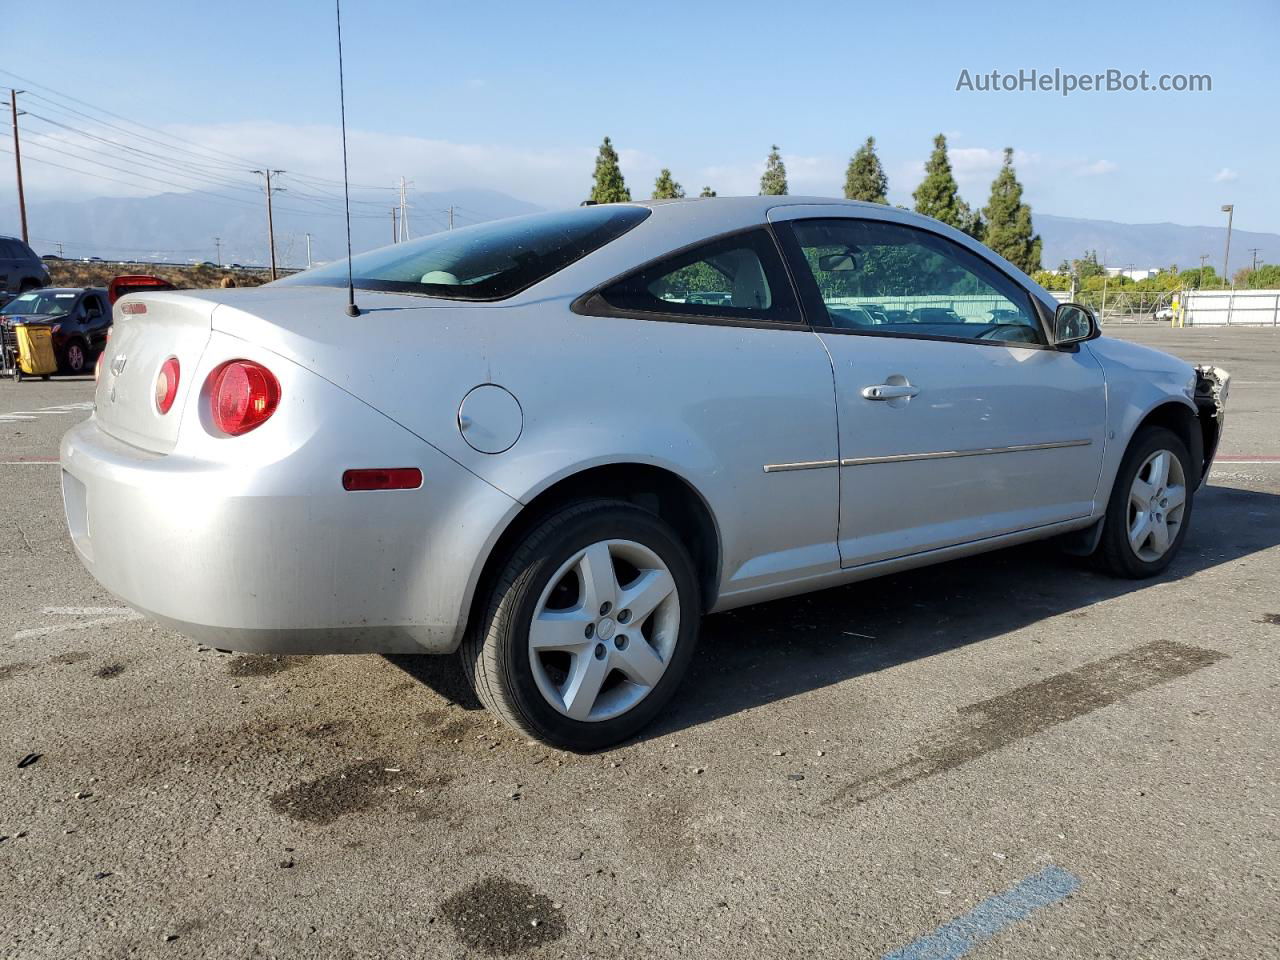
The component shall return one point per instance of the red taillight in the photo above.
(386, 478)
(244, 395)
(166, 384)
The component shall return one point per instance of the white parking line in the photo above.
(26, 416)
(115, 615)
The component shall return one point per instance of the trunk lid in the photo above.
(174, 325)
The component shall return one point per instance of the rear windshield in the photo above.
(488, 261)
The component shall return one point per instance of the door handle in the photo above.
(889, 391)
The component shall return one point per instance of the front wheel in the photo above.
(589, 627)
(1150, 506)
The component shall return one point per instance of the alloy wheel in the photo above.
(1157, 502)
(604, 630)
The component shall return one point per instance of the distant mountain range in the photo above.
(181, 227)
(1148, 244)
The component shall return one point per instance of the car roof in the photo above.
(70, 290)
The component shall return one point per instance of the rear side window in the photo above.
(738, 277)
(488, 261)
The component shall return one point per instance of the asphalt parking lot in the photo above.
(1010, 755)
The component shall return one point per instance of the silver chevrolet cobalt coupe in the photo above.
(553, 443)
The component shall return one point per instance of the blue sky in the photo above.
(516, 96)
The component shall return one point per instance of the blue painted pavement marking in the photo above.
(994, 914)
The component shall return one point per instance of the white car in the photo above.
(540, 442)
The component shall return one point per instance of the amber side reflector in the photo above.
(389, 478)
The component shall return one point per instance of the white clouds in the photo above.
(1226, 175)
(555, 176)
(1097, 168)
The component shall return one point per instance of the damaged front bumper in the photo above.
(1212, 384)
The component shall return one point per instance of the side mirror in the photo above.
(1073, 323)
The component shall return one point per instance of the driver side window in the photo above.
(886, 278)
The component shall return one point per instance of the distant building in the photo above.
(1133, 273)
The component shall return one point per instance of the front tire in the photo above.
(588, 628)
(1150, 507)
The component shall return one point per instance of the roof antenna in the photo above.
(352, 309)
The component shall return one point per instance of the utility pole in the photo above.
(451, 216)
(217, 242)
(404, 211)
(1229, 209)
(271, 228)
(1254, 251)
(308, 251)
(17, 160)
(395, 226)
(59, 246)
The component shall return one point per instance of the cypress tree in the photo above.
(938, 196)
(608, 185)
(773, 182)
(1009, 231)
(865, 179)
(665, 187)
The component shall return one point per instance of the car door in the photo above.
(957, 421)
(9, 281)
(97, 320)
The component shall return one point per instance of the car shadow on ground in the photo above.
(771, 651)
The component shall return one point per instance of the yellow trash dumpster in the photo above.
(35, 351)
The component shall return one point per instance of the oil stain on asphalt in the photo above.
(1031, 709)
(354, 787)
(260, 666)
(10, 670)
(499, 917)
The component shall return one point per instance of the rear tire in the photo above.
(75, 357)
(1150, 507)
(588, 627)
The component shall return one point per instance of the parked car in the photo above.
(132, 283)
(1164, 313)
(79, 319)
(520, 449)
(20, 269)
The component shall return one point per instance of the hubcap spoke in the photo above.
(640, 662)
(1159, 536)
(559, 630)
(1159, 475)
(1141, 494)
(1176, 497)
(599, 582)
(643, 595)
(584, 684)
(1139, 531)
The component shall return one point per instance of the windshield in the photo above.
(39, 303)
(488, 261)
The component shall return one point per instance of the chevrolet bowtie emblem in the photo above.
(117, 364)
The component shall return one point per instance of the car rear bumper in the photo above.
(267, 559)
